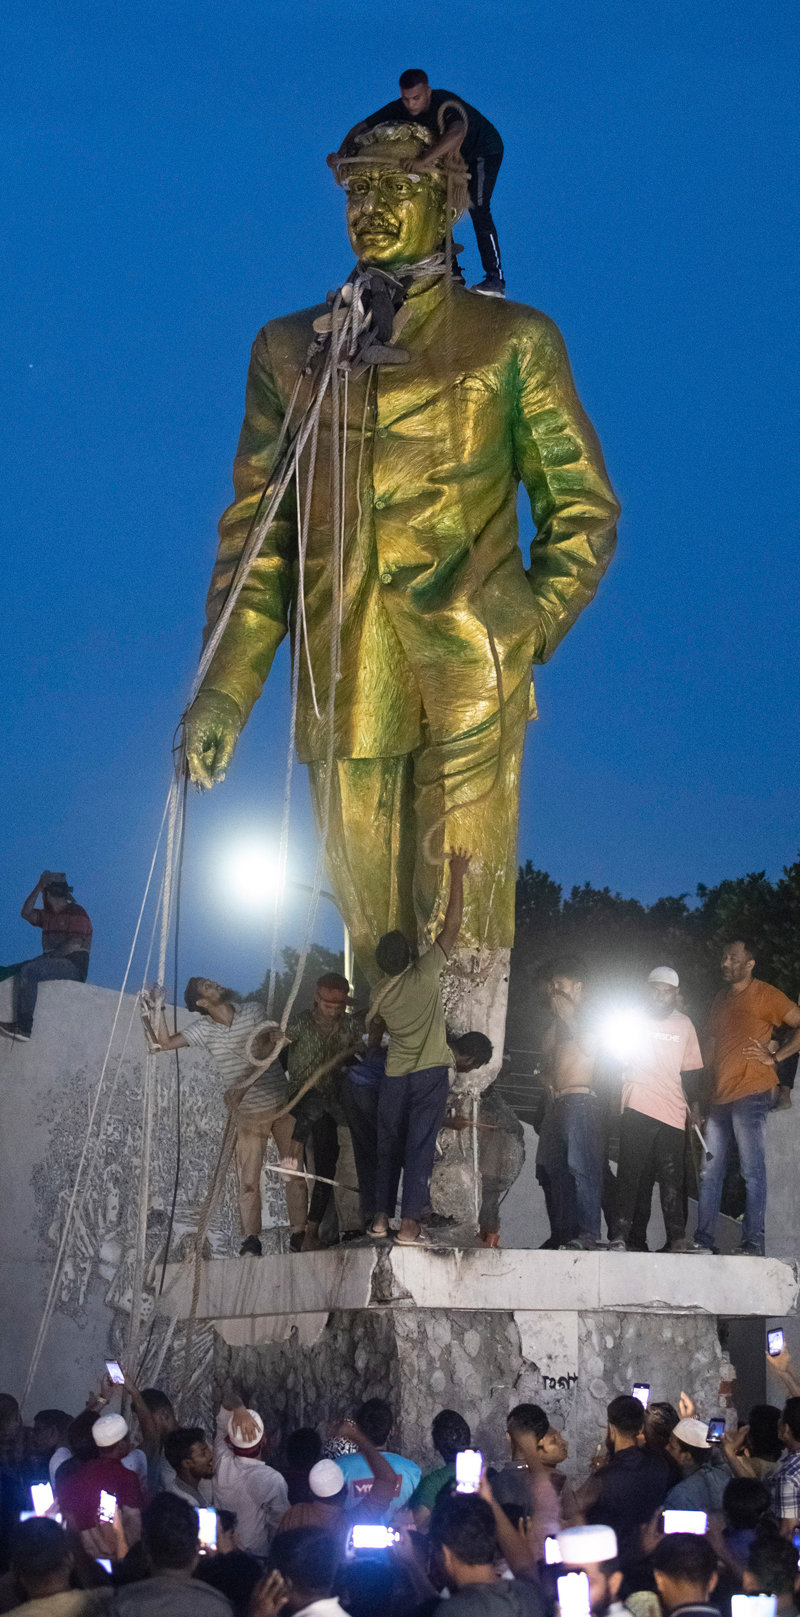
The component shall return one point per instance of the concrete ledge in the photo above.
(444, 1278)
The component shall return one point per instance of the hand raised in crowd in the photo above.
(686, 1406)
(269, 1596)
(782, 1365)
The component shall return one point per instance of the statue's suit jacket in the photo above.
(431, 549)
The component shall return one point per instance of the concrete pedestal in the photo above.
(309, 1336)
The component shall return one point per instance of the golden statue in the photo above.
(396, 560)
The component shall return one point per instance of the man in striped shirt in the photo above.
(225, 1029)
(784, 1483)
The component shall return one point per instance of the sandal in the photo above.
(379, 1235)
(421, 1238)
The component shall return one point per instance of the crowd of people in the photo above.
(144, 1516)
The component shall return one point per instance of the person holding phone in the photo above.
(463, 1538)
(78, 1493)
(171, 1548)
(593, 1550)
(704, 1474)
(626, 1491)
(685, 1574)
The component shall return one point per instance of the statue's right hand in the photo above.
(211, 731)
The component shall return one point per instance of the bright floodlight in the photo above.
(251, 875)
(623, 1033)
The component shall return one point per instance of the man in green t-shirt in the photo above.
(413, 1092)
(449, 1434)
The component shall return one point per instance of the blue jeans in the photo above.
(577, 1169)
(743, 1121)
(46, 968)
(410, 1114)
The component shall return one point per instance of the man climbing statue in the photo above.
(464, 130)
(418, 622)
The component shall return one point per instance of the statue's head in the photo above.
(394, 217)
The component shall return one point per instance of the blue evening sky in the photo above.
(165, 193)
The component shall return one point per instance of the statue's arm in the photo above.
(560, 461)
(259, 620)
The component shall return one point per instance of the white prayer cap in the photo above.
(587, 1546)
(691, 1431)
(325, 1479)
(665, 974)
(108, 1430)
(237, 1439)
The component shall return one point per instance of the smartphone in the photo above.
(207, 1533)
(715, 1430)
(573, 1595)
(106, 1565)
(114, 1373)
(42, 1498)
(552, 1553)
(753, 1605)
(776, 1341)
(641, 1390)
(108, 1506)
(372, 1536)
(685, 1521)
(469, 1470)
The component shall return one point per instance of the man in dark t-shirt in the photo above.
(465, 130)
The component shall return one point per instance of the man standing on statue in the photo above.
(413, 1089)
(740, 1056)
(466, 131)
(417, 647)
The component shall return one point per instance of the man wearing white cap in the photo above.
(593, 1550)
(243, 1482)
(653, 1124)
(78, 1494)
(705, 1476)
(326, 1507)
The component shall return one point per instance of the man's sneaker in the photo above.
(684, 1245)
(748, 1250)
(12, 1030)
(251, 1247)
(492, 286)
(617, 1246)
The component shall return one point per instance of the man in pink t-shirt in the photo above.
(653, 1123)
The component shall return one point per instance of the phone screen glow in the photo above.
(685, 1521)
(469, 1470)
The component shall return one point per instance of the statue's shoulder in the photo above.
(285, 340)
(502, 322)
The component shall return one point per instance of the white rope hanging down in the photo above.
(83, 1179)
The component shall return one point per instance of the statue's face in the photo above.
(394, 218)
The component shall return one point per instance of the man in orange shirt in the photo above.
(740, 1057)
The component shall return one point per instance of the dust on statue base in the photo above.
(418, 621)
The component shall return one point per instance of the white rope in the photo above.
(165, 900)
(137, 1283)
(70, 1220)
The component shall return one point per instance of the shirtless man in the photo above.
(569, 1161)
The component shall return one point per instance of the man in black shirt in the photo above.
(471, 134)
(625, 1492)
